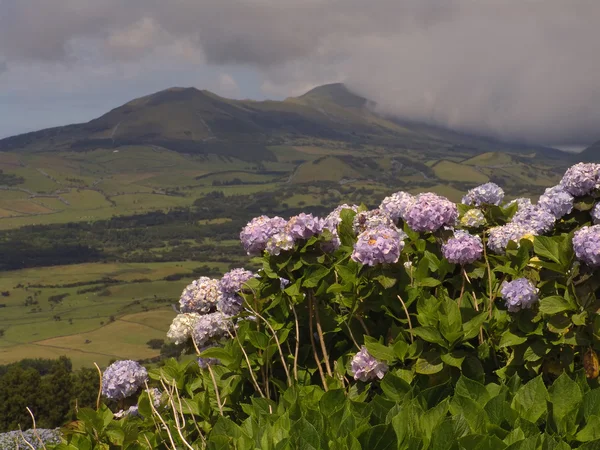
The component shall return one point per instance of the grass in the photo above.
(451, 171)
(137, 303)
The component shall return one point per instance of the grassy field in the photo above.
(66, 187)
(97, 312)
(128, 305)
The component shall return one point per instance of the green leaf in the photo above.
(454, 359)
(565, 396)
(394, 387)
(530, 400)
(379, 437)
(386, 282)
(555, 304)
(471, 328)
(258, 339)
(591, 431)
(378, 350)
(509, 339)
(547, 247)
(450, 321)
(429, 364)
(429, 334)
(591, 403)
(472, 412)
(316, 276)
(472, 389)
(429, 282)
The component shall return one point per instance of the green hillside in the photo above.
(592, 153)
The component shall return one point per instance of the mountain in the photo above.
(590, 154)
(188, 120)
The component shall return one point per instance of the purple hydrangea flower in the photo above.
(16, 440)
(334, 218)
(122, 379)
(486, 194)
(430, 212)
(463, 248)
(522, 202)
(280, 241)
(230, 304)
(500, 236)
(331, 223)
(131, 411)
(304, 226)
(257, 232)
(233, 281)
(181, 327)
(556, 200)
(586, 243)
(283, 282)
(473, 218)
(366, 368)
(581, 179)
(205, 362)
(378, 245)
(535, 218)
(595, 213)
(371, 219)
(200, 296)
(519, 294)
(397, 204)
(211, 327)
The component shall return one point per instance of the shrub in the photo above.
(496, 349)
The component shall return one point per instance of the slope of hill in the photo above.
(192, 121)
(590, 154)
(170, 148)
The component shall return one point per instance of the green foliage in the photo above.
(49, 388)
(457, 369)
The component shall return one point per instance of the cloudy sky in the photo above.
(516, 69)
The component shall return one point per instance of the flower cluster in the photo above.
(500, 236)
(233, 281)
(595, 213)
(378, 245)
(581, 179)
(535, 218)
(430, 212)
(371, 219)
(519, 294)
(463, 248)
(366, 368)
(258, 231)
(211, 328)
(282, 240)
(557, 201)
(230, 304)
(486, 194)
(29, 439)
(304, 226)
(586, 243)
(397, 204)
(473, 218)
(122, 379)
(522, 202)
(201, 296)
(334, 218)
(181, 327)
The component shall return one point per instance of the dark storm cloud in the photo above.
(517, 69)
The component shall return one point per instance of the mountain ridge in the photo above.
(190, 120)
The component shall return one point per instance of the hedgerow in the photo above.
(422, 324)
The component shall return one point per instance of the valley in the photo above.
(103, 224)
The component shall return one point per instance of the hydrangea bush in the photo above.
(421, 324)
